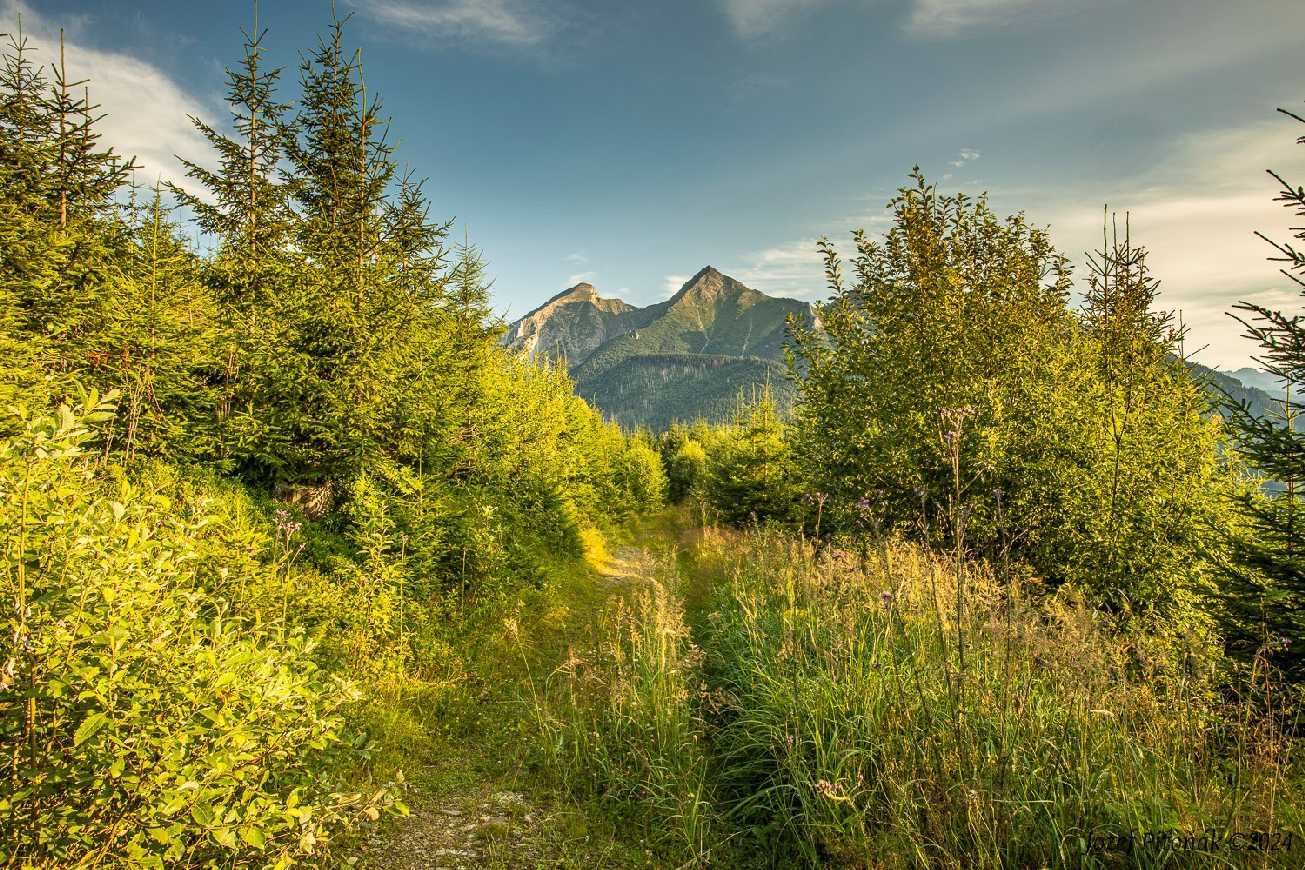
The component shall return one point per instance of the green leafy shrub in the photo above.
(1081, 443)
(639, 477)
(147, 721)
(684, 460)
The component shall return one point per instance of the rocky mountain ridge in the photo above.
(688, 357)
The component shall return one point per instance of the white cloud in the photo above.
(581, 278)
(1195, 213)
(145, 110)
(792, 269)
(508, 22)
(967, 155)
(671, 284)
(927, 18)
(578, 258)
(949, 17)
(754, 18)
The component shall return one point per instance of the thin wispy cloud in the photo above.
(581, 278)
(671, 284)
(506, 22)
(967, 155)
(579, 258)
(1091, 77)
(753, 18)
(925, 18)
(793, 269)
(941, 18)
(145, 111)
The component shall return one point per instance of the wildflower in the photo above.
(831, 790)
(886, 598)
(1286, 643)
(285, 526)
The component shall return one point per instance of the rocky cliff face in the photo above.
(571, 325)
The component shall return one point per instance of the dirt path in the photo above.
(470, 817)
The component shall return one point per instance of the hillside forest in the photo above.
(304, 566)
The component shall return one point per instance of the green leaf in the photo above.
(202, 813)
(90, 727)
(253, 836)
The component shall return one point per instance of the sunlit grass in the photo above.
(899, 709)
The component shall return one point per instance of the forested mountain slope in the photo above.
(686, 358)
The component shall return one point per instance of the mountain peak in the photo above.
(709, 284)
(583, 290)
(682, 358)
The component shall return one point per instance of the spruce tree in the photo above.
(63, 246)
(160, 327)
(1268, 584)
(247, 211)
(26, 154)
(346, 315)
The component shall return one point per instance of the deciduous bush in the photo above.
(953, 394)
(148, 718)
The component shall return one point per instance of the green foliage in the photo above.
(751, 473)
(905, 710)
(1265, 593)
(150, 720)
(60, 241)
(685, 462)
(320, 460)
(953, 394)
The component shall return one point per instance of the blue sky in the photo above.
(629, 144)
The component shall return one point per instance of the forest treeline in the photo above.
(1002, 581)
(245, 488)
(952, 394)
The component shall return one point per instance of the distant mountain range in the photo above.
(686, 358)
(693, 355)
(1260, 380)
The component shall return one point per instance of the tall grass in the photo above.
(619, 722)
(901, 710)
